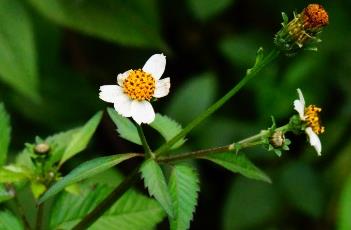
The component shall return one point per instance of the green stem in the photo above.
(245, 143)
(146, 146)
(256, 69)
(40, 214)
(132, 178)
(99, 210)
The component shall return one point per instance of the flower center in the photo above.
(139, 85)
(312, 118)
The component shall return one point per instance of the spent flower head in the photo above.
(311, 121)
(135, 89)
(302, 31)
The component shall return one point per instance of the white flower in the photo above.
(310, 116)
(135, 88)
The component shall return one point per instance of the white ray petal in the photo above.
(142, 112)
(300, 108)
(122, 76)
(109, 93)
(162, 87)
(302, 99)
(123, 105)
(314, 140)
(155, 65)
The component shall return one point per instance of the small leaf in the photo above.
(344, 220)
(206, 9)
(155, 181)
(86, 170)
(133, 22)
(183, 186)
(18, 67)
(8, 221)
(168, 128)
(5, 193)
(125, 127)
(238, 163)
(81, 139)
(132, 211)
(5, 131)
(37, 189)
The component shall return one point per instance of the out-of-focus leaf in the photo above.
(131, 212)
(8, 221)
(183, 187)
(5, 194)
(206, 9)
(344, 220)
(37, 189)
(125, 127)
(86, 170)
(193, 98)
(156, 183)
(12, 173)
(302, 189)
(5, 131)
(240, 51)
(238, 163)
(168, 128)
(81, 139)
(18, 66)
(132, 22)
(249, 205)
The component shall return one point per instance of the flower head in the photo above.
(134, 90)
(310, 117)
(302, 31)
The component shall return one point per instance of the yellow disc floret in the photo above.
(139, 85)
(312, 118)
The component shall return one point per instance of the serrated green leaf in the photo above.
(206, 9)
(37, 189)
(156, 183)
(168, 128)
(8, 221)
(183, 186)
(86, 170)
(131, 212)
(125, 127)
(59, 142)
(81, 139)
(5, 131)
(5, 194)
(18, 67)
(344, 221)
(238, 163)
(132, 22)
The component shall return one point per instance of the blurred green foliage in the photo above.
(54, 55)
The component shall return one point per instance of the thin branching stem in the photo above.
(132, 178)
(146, 146)
(249, 75)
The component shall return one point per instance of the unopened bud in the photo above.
(42, 149)
(302, 30)
(277, 139)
